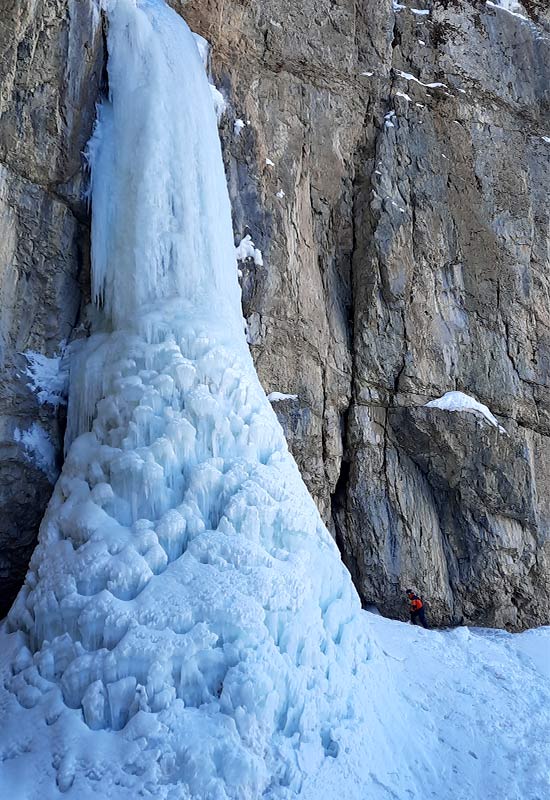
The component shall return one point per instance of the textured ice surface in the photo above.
(185, 606)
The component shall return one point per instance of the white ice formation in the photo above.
(186, 628)
(49, 377)
(246, 249)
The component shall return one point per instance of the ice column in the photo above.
(186, 614)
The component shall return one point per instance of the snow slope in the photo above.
(461, 714)
(187, 629)
(450, 715)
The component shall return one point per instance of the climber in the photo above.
(416, 607)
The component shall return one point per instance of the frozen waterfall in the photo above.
(186, 628)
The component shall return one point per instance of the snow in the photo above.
(458, 401)
(461, 714)
(280, 194)
(514, 8)
(38, 449)
(49, 377)
(404, 96)
(277, 397)
(238, 125)
(269, 163)
(410, 77)
(546, 139)
(419, 12)
(389, 119)
(246, 249)
(187, 630)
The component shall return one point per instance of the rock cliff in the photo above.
(392, 163)
(51, 62)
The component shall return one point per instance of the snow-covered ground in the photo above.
(459, 714)
(451, 715)
(187, 630)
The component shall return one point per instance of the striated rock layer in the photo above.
(393, 169)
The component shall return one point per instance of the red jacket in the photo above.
(416, 603)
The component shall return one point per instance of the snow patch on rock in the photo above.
(278, 397)
(246, 249)
(459, 401)
(38, 449)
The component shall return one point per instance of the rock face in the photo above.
(50, 69)
(408, 256)
(393, 168)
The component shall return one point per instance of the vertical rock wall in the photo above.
(408, 256)
(50, 70)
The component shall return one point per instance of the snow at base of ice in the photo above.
(458, 401)
(459, 714)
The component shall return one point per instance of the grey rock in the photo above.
(51, 59)
(402, 262)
